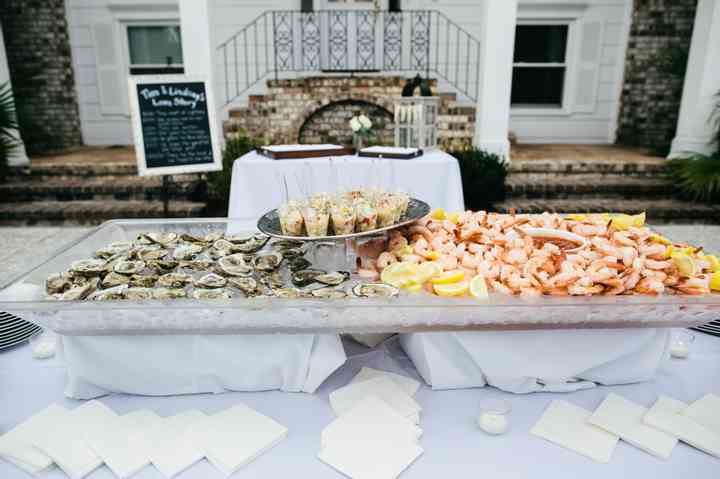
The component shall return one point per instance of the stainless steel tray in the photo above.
(269, 223)
(23, 296)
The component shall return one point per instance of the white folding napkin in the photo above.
(173, 447)
(566, 425)
(16, 444)
(235, 437)
(122, 444)
(624, 418)
(369, 419)
(667, 415)
(379, 459)
(65, 442)
(409, 385)
(343, 399)
(706, 412)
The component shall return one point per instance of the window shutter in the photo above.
(111, 91)
(306, 5)
(588, 71)
(394, 5)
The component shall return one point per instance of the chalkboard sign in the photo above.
(174, 125)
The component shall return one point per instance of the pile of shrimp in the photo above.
(628, 261)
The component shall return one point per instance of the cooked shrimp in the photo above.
(385, 259)
(421, 230)
(448, 262)
(421, 247)
(469, 261)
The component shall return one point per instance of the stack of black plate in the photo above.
(713, 327)
(14, 330)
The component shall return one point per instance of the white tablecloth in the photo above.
(454, 447)
(256, 187)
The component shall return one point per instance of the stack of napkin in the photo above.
(655, 430)
(81, 440)
(376, 432)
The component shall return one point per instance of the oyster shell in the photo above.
(272, 280)
(237, 239)
(268, 261)
(251, 245)
(333, 278)
(213, 236)
(150, 253)
(247, 285)
(281, 244)
(187, 251)
(119, 247)
(292, 253)
(173, 280)
(192, 239)
(80, 291)
(299, 263)
(329, 293)
(235, 265)
(58, 282)
(197, 264)
(89, 267)
(110, 294)
(289, 293)
(143, 281)
(162, 238)
(210, 281)
(162, 266)
(305, 277)
(223, 245)
(212, 294)
(139, 294)
(129, 267)
(169, 293)
(375, 290)
(114, 279)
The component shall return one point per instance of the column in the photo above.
(492, 119)
(702, 82)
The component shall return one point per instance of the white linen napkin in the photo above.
(409, 385)
(378, 459)
(624, 418)
(345, 398)
(705, 411)
(667, 415)
(235, 437)
(173, 448)
(16, 444)
(566, 425)
(64, 442)
(122, 444)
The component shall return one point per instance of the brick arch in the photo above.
(378, 109)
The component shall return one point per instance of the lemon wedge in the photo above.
(639, 219)
(713, 260)
(413, 288)
(715, 281)
(438, 214)
(428, 270)
(685, 264)
(448, 277)
(451, 289)
(454, 218)
(432, 255)
(655, 238)
(576, 217)
(478, 287)
(400, 274)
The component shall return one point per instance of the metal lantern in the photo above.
(416, 119)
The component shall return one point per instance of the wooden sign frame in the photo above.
(143, 169)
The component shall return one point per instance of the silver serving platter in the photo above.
(269, 223)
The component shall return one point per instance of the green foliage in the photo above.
(483, 178)
(219, 181)
(697, 176)
(673, 60)
(8, 123)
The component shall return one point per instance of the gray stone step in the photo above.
(584, 185)
(91, 212)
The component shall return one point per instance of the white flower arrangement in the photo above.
(361, 125)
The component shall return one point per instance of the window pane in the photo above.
(540, 43)
(537, 86)
(154, 45)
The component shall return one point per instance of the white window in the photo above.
(540, 66)
(154, 49)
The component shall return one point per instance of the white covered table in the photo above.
(454, 446)
(433, 178)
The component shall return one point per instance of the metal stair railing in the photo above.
(281, 42)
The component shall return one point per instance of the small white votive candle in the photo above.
(493, 418)
(680, 344)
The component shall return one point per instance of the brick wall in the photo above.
(318, 109)
(654, 72)
(38, 54)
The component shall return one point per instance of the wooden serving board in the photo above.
(296, 155)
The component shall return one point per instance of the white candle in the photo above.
(493, 423)
(679, 350)
(397, 113)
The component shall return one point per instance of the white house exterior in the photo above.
(580, 65)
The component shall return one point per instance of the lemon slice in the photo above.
(639, 220)
(428, 270)
(432, 255)
(685, 264)
(413, 288)
(715, 281)
(454, 218)
(713, 260)
(400, 274)
(448, 277)
(655, 238)
(576, 217)
(452, 289)
(478, 287)
(438, 214)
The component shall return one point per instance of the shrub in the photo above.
(483, 178)
(219, 181)
(8, 125)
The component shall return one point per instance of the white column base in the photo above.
(499, 147)
(683, 147)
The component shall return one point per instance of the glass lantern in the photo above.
(416, 119)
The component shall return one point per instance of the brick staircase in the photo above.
(90, 187)
(609, 179)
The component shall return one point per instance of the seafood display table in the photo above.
(454, 446)
(256, 185)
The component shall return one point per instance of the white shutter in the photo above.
(110, 76)
(588, 68)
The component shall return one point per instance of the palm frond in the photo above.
(698, 176)
(8, 115)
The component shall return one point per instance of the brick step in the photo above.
(91, 212)
(542, 185)
(658, 210)
(601, 166)
(72, 188)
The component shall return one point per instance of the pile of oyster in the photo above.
(168, 265)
